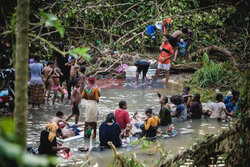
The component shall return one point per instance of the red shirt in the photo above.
(167, 50)
(122, 118)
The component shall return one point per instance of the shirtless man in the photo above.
(47, 78)
(72, 131)
(73, 74)
(58, 118)
(176, 36)
(75, 100)
(56, 87)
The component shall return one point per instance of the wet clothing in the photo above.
(217, 109)
(36, 94)
(165, 116)
(166, 51)
(181, 113)
(149, 129)
(45, 145)
(230, 107)
(75, 129)
(122, 118)
(110, 133)
(142, 66)
(36, 71)
(195, 110)
(75, 109)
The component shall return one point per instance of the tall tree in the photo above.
(21, 67)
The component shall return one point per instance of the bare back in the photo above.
(74, 70)
(56, 120)
(177, 34)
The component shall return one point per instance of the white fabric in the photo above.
(158, 25)
(164, 66)
(217, 110)
(91, 111)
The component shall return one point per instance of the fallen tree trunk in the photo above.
(219, 49)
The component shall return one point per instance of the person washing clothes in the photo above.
(142, 66)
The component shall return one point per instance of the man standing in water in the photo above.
(164, 59)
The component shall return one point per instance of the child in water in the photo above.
(75, 100)
(127, 131)
(58, 118)
(57, 87)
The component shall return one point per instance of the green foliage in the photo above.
(52, 21)
(211, 74)
(11, 152)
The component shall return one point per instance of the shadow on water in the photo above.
(137, 100)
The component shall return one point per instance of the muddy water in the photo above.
(137, 100)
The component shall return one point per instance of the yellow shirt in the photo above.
(153, 121)
(93, 95)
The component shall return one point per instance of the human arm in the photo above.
(68, 64)
(127, 120)
(61, 120)
(147, 124)
(158, 93)
(71, 98)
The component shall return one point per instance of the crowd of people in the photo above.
(120, 125)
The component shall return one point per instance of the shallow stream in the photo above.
(137, 100)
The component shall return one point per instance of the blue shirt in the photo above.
(182, 47)
(110, 133)
(230, 107)
(36, 69)
(181, 112)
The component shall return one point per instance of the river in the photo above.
(137, 100)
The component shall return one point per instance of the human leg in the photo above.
(54, 97)
(62, 93)
(155, 76)
(175, 53)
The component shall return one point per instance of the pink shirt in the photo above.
(122, 118)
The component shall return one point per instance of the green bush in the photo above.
(211, 74)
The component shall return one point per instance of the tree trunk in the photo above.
(21, 68)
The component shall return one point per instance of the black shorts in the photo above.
(143, 68)
(173, 41)
(75, 109)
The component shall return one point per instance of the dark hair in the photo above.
(167, 36)
(219, 97)
(110, 118)
(149, 111)
(184, 30)
(76, 80)
(197, 97)
(235, 93)
(61, 45)
(165, 99)
(50, 62)
(82, 69)
(59, 130)
(59, 113)
(122, 103)
(176, 99)
(186, 88)
(37, 58)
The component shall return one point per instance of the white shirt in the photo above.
(217, 109)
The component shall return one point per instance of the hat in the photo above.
(158, 25)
